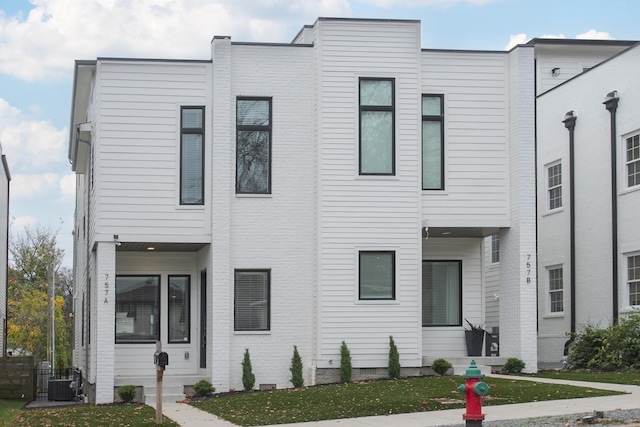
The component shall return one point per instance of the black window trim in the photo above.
(392, 109)
(188, 276)
(432, 118)
(197, 131)
(393, 275)
(235, 290)
(159, 320)
(268, 128)
(461, 288)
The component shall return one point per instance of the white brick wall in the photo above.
(105, 314)
(518, 243)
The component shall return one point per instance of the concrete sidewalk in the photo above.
(188, 416)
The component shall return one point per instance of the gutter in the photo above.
(570, 123)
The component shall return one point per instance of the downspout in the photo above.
(6, 259)
(611, 104)
(570, 123)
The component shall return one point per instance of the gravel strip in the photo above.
(630, 417)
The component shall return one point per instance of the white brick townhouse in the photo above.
(588, 198)
(336, 188)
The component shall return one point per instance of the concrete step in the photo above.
(169, 394)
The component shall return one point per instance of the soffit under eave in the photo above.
(78, 151)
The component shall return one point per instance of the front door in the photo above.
(203, 319)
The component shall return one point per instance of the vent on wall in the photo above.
(368, 371)
(267, 387)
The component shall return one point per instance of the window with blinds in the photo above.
(192, 156)
(252, 300)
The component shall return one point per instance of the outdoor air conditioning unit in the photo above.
(60, 390)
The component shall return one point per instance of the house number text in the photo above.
(106, 289)
(528, 267)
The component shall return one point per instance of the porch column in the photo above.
(518, 261)
(105, 314)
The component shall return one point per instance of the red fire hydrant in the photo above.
(475, 390)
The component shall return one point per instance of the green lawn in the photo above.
(8, 411)
(628, 377)
(375, 398)
(133, 415)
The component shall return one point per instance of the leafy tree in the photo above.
(296, 369)
(248, 378)
(394, 359)
(345, 363)
(35, 261)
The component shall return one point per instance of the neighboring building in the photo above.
(337, 188)
(5, 178)
(598, 113)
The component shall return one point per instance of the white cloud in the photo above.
(45, 42)
(20, 223)
(516, 39)
(420, 3)
(29, 145)
(25, 186)
(596, 35)
(68, 186)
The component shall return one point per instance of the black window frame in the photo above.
(192, 131)
(439, 119)
(384, 108)
(259, 128)
(393, 274)
(188, 314)
(495, 249)
(460, 290)
(267, 272)
(157, 322)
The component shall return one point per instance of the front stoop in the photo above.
(170, 394)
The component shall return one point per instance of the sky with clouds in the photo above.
(40, 39)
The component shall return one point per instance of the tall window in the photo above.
(633, 279)
(554, 186)
(633, 161)
(377, 127)
(253, 145)
(495, 248)
(441, 293)
(556, 290)
(192, 156)
(137, 309)
(432, 142)
(179, 309)
(377, 275)
(252, 305)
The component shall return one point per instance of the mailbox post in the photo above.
(161, 360)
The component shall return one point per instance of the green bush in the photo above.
(203, 388)
(513, 366)
(296, 369)
(394, 359)
(127, 393)
(616, 347)
(248, 378)
(441, 366)
(345, 363)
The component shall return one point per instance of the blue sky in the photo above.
(40, 39)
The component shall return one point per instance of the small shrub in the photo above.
(513, 366)
(394, 360)
(248, 378)
(296, 369)
(441, 366)
(345, 363)
(127, 393)
(203, 388)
